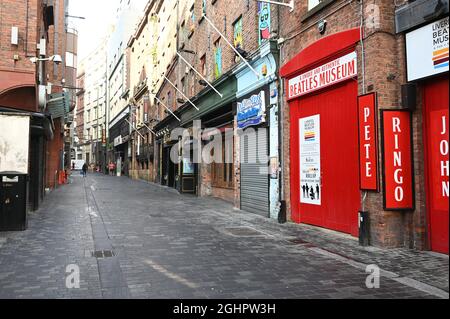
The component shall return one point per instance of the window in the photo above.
(203, 8)
(313, 3)
(192, 83)
(217, 59)
(237, 36)
(203, 65)
(222, 173)
(183, 85)
(169, 100)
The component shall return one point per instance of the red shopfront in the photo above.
(322, 91)
(427, 66)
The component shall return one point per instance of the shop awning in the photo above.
(58, 105)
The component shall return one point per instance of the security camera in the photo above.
(56, 58)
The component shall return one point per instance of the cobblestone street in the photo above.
(155, 243)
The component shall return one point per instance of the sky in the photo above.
(99, 15)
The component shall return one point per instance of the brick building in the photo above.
(333, 53)
(37, 29)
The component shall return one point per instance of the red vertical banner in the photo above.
(368, 141)
(439, 159)
(397, 160)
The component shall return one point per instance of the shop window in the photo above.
(222, 173)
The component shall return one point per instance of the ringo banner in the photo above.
(397, 160)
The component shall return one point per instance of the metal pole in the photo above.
(161, 102)
(182, 94)
(200, 75)
(290, 4)
(232, 46)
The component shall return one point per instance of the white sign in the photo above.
(14, 143)
(427, 50)
(310, 170)
(118, 141)
(336, 71)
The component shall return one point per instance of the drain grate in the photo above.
(243, 232)
(100, 254)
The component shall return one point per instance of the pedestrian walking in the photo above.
(84, 169)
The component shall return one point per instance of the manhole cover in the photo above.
(103, 254)
(243, 232)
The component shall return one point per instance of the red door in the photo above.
(340, 199)
(437, 161)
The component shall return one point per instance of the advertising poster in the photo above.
(310, 170)
(252, 111)
(14, 143)
(427, 50)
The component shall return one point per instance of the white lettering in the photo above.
(366, 114)
(367, 132)
(445, 189)
(444, 126)
(397, 177)
(397, 159)
(444, 147)
(367, 147)
(396, 125)
(444, 168)
(399, 194)
(368, 169)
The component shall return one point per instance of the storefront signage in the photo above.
(397, 160)
(333, 72)
(252, 111)
(368, 159)
(310, 164)
(427, 50)
(439, 157)
(118, 141)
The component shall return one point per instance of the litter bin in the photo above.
(364, 229)
(13, 202)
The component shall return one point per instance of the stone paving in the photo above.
(166, 245)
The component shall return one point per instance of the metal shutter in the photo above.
(254, 178)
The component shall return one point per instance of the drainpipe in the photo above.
(282, 215)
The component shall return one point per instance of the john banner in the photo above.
(310, 171)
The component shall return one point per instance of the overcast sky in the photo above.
(99, 15)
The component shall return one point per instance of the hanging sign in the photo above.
(331, 73)
(368, 152)
(310, 164)
(397, 160)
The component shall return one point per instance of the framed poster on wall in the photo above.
(398, 168)
(14, 143)
(368, 142)
(310, 163)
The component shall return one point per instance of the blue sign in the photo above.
(252, 111)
